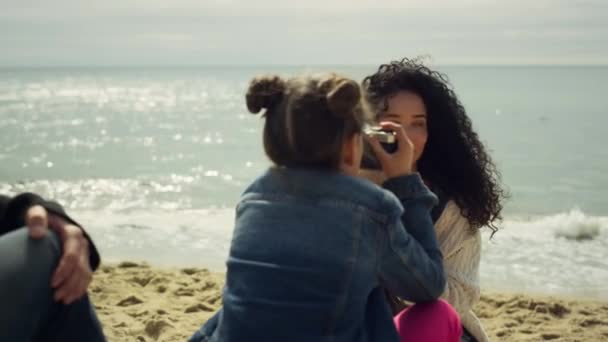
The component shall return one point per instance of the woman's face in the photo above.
(407, 109)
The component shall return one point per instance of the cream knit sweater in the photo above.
(461, 248)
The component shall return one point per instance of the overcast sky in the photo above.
(200, 32)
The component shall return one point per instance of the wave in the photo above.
(573, 225)
(556, 254)
(205, 189)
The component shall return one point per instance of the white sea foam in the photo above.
(526, 255)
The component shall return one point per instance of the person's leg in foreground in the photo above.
(29, 312)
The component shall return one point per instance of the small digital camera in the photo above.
(388, 141)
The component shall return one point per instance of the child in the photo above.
(313, 244)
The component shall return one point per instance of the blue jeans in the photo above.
(28, 311)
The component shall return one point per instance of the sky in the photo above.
(309, 32)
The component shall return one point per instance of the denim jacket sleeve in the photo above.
(411, 266)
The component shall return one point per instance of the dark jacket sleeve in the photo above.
(14, 218)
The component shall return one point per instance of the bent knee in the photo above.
(441, 306)
(430, 312)
(24, 255)
(429, 321)
(48, 245)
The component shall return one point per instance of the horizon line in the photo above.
(291, 65)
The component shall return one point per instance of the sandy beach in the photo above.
(138, 302)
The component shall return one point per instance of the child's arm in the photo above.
(411, 261)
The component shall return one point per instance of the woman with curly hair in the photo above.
(453, 163)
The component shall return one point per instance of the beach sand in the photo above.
(137, 302)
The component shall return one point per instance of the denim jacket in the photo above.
(312, 251)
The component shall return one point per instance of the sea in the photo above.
(152, 161)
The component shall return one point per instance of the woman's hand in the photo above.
(399, 163)
(73, 274)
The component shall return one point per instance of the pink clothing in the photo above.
(429, 322)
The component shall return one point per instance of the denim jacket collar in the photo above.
(318, 184)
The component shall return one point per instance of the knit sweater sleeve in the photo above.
(461, 247)
(462, 270)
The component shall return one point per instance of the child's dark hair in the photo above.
(307, 118)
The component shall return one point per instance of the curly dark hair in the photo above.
(454, 161)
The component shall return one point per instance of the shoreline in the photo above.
(143, 303)
(220, 268)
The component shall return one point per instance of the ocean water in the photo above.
(152, 161)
